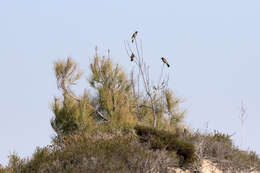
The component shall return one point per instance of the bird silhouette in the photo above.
(132, 56)
(165, 61)
(134, 35)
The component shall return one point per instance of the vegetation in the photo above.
(97, 153)
(220, 149)
(124, 123)
(160, 140)
(140, 150)
(113, 100)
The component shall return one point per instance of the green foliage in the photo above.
(114, 95)
(160, 139)
(71, 114)
(112, 99)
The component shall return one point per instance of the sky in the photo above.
(213, 48)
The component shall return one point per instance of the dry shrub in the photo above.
(219, 148)
(107, 153)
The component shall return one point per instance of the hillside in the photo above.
(126, 123)
(141, 149)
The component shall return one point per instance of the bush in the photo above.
(160, 139)
(108, 153)
(219, 148)
(111, 97)
(140, 150)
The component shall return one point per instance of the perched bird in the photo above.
(134, 35)
(132, 56)
(165, 61)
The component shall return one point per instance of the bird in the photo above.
(132, 56)
(165, 61)
(134, 35)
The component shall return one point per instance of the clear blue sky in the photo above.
(213, 47)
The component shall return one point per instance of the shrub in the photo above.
(111, 97)
(219, 148)
(108, 153)
(159, 139)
